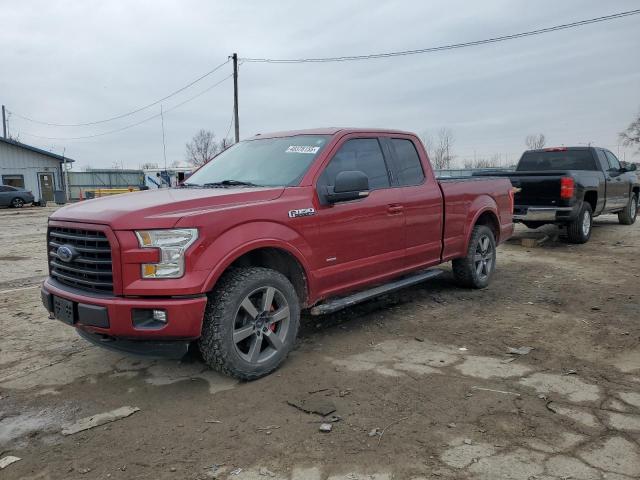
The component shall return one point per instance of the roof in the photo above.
(36, 150)
(560, 149)
(326, 131)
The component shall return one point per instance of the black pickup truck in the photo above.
(569, 186)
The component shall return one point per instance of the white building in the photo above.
(31, 168)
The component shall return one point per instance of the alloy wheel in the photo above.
(483, 257)
(586, 223)
(261, 325)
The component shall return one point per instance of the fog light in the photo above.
(160, 315)
(148, 319)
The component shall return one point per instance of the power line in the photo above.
(133, 124)
(132, 112)
(447, 47)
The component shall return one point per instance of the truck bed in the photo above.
(463, 195)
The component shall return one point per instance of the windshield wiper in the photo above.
(231, 183)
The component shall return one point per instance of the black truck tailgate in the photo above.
(537, 188)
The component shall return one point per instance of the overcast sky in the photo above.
(82, 61)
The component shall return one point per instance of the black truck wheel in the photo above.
(250, 323)
(476, 268)
(628, 215)
(579, 230)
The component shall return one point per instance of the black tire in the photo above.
(249, 343)
(17, 202)
(628, 215)
(579, 230)
(476, 268)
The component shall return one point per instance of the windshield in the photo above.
(267, 162)
(557, 160)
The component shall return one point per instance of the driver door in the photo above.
(359, 241)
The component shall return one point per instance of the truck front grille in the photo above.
(90, 266)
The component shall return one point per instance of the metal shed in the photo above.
(32, 168)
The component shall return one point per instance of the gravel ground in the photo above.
(421, 381)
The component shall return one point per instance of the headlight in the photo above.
(172, 245)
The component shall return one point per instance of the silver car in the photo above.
(15, 197)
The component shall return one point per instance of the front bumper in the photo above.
(542, 214)
(112, 317)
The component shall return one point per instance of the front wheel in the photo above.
(476, 268)
(628, 215)
(579, 230)
(17, 202)
(250, 324)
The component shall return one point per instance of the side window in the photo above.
(614, 164)
(362, 154)
(407, 162)
(4, 189)
(602, 158)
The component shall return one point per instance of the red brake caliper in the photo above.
(272, 327)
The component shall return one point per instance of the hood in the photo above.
(161, 208)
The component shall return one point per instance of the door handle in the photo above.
(395, 209)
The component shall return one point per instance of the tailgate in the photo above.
(537, 188)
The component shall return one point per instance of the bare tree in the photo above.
(148, 166)
(631, 136)
(535, 142)
(427, 141)
(202, 148)
(442, 152)
(492, 162)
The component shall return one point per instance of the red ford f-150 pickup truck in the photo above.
(316, 219)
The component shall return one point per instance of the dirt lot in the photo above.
(421, 381)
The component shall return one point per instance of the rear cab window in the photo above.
(541, 160)
(407, 164)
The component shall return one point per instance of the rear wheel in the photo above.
(251, 322)
(17, 202)
(579, 230)
(628, 215)
(476, 268)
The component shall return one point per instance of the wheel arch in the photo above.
(591, 197)
(484, 211)
(268, 253)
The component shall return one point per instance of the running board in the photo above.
(335, 304)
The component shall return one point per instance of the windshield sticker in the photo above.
(302, 149)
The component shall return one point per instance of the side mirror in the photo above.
(632, 167)
(349, 185)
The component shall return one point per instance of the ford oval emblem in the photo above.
(66, 253)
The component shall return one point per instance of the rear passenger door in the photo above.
(362, 240)
(421, 201)
(618, 189)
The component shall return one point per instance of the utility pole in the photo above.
(236, 120)
(4, 123)
(164, 147)
(66, 174)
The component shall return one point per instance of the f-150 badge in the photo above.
(302, 212)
